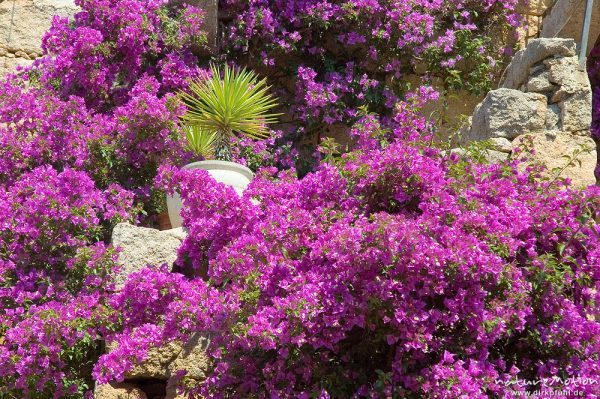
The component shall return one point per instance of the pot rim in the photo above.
(221, 165)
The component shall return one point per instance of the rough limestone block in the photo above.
(501, 144)
(550, 151)
(576, 113)
(537, 50)
(540, 83)
(141, 246)
(566, 73)
(156, 365)
(553, 117)
(164, 362)
(118, 391)
(192, 358)
(10, 64)
(31, 20)
(508, 113)
(495, 156)
(533, 7)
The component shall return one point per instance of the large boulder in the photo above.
(537, 50)
(508, 113)
(141, 246)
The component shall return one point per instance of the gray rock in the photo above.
(495, 156)
(142, 246)
(508, 113)
(540, 83)
(566, 73)
(501, 144)
(576, 113)
(537, 50)
(553, 117)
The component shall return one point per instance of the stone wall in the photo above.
(534, 12)
(545, 99)
(557, 18)
(22, 25)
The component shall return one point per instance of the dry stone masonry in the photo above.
(22, 25)
(546, 99)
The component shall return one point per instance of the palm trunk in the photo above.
(223, 146)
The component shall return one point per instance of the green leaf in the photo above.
(231, 102)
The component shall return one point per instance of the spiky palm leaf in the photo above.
(238, 103)
(200, 141)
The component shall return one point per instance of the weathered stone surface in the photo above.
(553, 117)
(157, 363)
(576, 113)
(23, 29)
(164, 362)
(537, 50)
(142, 246)
(533, 7)
(566, 73)
(118, 391)
(10, 64)
(501, 144)
(22, 25)
(508, 113)
(192, 358)
(493, 156)
(540, 83)
(551, 150)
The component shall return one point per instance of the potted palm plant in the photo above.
(232, 102)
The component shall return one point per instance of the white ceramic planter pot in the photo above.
(229, 173)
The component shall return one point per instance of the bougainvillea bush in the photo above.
(82, 133)
(327, 58)
(392, 271)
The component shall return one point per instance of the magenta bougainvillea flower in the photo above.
(392, 270)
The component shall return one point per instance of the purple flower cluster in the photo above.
(82, 133)
(340, 55)
(53, 268)
(391, 271)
